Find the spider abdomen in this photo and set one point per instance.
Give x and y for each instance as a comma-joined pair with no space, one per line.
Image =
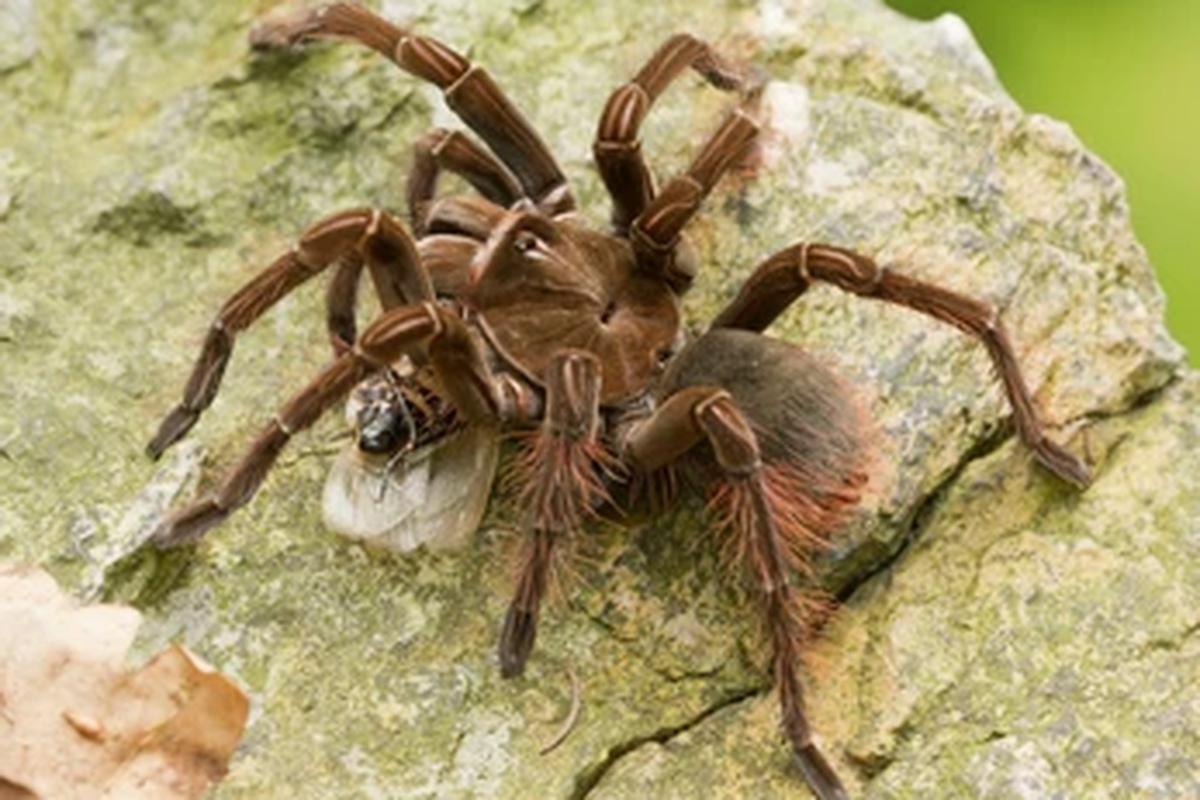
813,434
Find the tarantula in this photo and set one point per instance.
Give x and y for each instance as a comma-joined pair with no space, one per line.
504,311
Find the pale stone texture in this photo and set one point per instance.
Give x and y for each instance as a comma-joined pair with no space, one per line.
1026,641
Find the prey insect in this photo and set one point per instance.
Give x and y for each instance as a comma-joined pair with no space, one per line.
414,475
504,311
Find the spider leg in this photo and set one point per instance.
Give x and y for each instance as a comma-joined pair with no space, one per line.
448,258
465,215
469,90
563,483
425,330
773,530
617,147
782,278
452,151
341,298
455,230
655,231
349,239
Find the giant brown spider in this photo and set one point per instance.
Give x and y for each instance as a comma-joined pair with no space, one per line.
504,312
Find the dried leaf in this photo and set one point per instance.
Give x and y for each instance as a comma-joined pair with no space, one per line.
76,722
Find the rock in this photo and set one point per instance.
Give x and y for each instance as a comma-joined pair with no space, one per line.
18,35
1026,644
1001,633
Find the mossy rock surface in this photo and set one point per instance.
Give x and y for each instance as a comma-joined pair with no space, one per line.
1001,635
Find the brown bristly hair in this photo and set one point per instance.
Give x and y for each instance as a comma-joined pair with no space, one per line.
774,522
558,483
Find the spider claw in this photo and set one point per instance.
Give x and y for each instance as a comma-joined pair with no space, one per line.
171,430
284,30
516,641
1063,463
189,524
817,773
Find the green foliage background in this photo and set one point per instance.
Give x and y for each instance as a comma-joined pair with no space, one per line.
1126,76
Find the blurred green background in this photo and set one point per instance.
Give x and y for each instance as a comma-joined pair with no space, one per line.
1126,76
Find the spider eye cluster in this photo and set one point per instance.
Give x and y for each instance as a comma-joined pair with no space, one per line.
525,241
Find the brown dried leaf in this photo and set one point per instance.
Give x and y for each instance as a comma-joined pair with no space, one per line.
75,722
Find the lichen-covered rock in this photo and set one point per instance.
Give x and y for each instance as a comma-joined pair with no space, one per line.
1028,644
1027,640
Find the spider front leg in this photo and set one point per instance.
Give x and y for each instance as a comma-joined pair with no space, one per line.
782,278
562,474
469,90
656,232
425,331
451,151
618,148
348,239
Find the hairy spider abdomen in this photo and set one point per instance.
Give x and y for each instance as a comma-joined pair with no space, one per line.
811,429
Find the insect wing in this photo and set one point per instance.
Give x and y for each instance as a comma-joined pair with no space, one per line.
434,496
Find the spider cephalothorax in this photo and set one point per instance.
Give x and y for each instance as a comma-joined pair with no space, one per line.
504,312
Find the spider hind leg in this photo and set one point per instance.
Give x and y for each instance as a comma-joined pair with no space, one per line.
779,443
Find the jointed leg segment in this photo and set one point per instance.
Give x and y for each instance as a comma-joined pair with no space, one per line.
618,150
751,507
562,485
452,151
469,90
350,239
655,219
778,281
657,229
426,331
